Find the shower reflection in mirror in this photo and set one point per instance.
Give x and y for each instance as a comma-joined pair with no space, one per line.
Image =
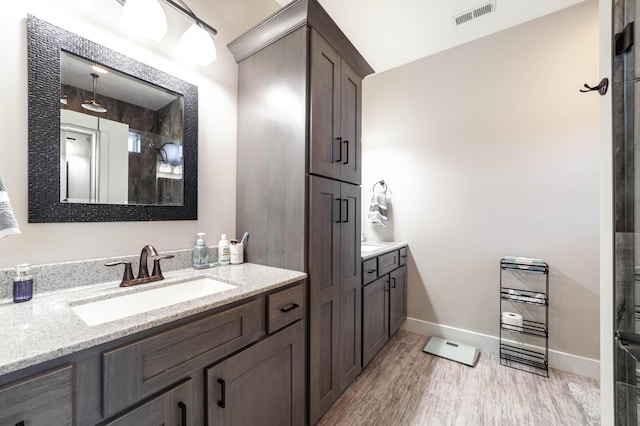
120,138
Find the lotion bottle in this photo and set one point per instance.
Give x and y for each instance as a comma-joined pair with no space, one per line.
201,253
224,250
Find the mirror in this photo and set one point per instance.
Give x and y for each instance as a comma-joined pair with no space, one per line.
114,146
120,137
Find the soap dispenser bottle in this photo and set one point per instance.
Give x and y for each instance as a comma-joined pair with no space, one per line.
224,250
22,283
201,253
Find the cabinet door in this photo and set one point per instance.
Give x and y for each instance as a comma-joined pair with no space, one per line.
375,318
324,295
351,285
174,407
397,299
262,385
44,399
325,149
351,124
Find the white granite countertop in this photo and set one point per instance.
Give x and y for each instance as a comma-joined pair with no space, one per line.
369,249
46,328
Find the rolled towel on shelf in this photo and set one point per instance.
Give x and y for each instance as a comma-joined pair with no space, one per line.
525,262
378,207
520,259
8,222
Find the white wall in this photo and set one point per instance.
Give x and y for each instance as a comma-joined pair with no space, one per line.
98,20
489,150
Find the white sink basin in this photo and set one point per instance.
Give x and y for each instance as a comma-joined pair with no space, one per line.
369,247
102,311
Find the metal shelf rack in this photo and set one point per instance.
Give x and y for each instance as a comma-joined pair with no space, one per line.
514,354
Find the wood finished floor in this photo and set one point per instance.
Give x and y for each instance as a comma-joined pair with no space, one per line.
405,386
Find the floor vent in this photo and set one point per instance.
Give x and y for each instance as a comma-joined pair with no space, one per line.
474,13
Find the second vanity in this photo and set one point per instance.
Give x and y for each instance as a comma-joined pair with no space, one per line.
224,358
384,294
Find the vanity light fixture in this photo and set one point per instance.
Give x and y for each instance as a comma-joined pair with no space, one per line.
147,18
144,17
197,44
92,105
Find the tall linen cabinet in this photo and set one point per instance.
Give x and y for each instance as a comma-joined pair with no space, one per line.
299,175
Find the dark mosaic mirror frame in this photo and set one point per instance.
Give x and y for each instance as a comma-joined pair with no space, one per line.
44,42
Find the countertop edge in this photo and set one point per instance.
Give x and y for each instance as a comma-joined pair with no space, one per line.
385,247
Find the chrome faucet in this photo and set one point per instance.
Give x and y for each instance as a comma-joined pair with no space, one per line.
143,269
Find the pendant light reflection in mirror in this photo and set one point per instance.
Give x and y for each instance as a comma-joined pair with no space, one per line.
147,18
93,105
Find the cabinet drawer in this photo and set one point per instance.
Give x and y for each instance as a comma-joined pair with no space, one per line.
284,307
43,399
369,270
136,370
388,262
403,256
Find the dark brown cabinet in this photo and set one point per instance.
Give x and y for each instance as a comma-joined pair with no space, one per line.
324,294
350,285
262,385
335,311
384,301
165,375
299,162
44,399
397,299
173,407
375,318
336,93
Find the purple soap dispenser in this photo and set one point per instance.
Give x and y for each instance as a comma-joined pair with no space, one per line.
22,283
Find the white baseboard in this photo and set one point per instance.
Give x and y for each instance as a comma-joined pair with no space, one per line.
559,360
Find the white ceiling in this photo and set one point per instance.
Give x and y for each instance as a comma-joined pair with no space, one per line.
390,33
76,72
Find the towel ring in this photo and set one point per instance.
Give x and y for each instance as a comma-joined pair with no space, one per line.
381,183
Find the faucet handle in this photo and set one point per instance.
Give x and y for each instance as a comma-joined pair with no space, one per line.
128,272
157,272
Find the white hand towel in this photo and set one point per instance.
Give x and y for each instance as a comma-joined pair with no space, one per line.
378,208
8,222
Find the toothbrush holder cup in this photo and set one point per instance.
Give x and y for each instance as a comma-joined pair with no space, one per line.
236,254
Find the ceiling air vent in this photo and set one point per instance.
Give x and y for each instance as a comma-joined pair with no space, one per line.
474,13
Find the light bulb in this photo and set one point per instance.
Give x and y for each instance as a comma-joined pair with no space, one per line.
197,45
145,17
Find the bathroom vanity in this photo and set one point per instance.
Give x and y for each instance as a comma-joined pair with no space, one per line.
219,359
384,295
